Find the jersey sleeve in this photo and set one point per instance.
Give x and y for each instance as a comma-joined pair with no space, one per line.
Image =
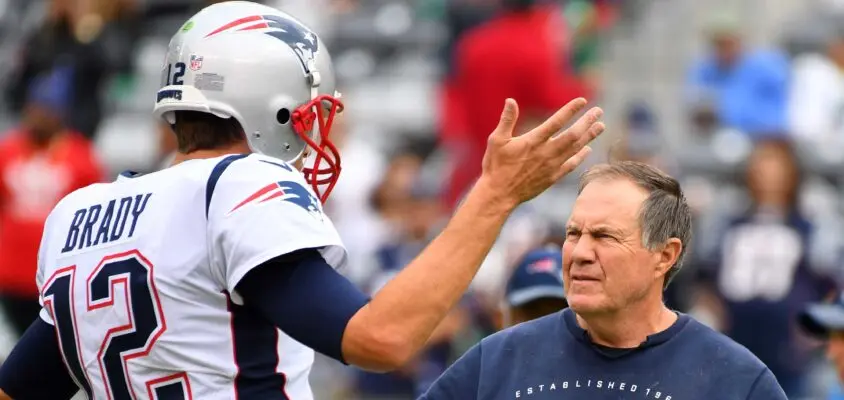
21,378
261,208
41,272
306,298
460,380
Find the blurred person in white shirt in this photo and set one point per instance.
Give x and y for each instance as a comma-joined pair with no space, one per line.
816,102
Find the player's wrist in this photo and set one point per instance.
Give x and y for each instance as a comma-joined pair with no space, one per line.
492,200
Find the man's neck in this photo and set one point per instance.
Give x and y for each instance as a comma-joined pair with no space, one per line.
629,327
203,154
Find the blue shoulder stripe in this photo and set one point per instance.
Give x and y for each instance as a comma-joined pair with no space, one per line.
216,173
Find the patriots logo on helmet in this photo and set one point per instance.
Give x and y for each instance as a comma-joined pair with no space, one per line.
299,38
288,191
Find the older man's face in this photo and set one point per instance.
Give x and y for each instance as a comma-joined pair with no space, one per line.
605,266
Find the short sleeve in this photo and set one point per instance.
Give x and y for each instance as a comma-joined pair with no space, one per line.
261,208
41,272
460,381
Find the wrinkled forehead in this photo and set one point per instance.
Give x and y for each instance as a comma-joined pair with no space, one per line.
609,201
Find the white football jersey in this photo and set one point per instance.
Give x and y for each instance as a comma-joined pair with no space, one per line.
138,277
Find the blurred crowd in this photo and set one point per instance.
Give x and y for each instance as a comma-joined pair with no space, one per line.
760,154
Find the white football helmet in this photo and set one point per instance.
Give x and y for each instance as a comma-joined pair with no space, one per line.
267,70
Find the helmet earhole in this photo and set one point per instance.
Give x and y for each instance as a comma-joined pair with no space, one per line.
283,116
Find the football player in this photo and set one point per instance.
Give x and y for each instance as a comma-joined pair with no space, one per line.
216,278
825,321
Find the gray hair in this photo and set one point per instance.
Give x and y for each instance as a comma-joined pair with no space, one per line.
664,214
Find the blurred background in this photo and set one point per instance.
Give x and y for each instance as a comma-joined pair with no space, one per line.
742,100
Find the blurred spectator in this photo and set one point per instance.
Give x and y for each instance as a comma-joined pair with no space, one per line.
763,275
418,213
826,322
393,194
88,40
518,54
351,207
461,16
640,139
816,106
40,162
414,205
735,87
535,288
588,19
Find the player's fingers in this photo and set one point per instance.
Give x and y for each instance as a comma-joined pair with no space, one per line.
579,132
507,123
557,121
591,133
572,163
573,144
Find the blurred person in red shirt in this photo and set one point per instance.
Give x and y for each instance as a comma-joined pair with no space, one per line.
41,161
520,53
91,40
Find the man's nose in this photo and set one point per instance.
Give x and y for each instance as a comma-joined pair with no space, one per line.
584,251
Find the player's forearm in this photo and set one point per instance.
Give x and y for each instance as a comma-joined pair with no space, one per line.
398,321
4,396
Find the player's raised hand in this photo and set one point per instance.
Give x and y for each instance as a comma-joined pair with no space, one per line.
519,168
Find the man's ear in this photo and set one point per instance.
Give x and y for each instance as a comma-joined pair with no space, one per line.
668,256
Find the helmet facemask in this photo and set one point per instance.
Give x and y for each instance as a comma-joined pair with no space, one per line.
322,110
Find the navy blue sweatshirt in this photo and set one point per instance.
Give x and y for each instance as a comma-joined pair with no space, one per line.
553,358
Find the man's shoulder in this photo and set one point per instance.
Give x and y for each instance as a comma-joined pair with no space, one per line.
182,180
720,349
256,179
81,195
731,368
251,169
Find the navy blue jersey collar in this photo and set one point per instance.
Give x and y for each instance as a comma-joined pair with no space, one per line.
130,174
582,335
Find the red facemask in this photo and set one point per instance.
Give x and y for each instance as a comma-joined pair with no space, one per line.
322,110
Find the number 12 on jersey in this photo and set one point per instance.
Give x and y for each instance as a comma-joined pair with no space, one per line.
132,272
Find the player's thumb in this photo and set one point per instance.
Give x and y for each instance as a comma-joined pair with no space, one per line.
508,120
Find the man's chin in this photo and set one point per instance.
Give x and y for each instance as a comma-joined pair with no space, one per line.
585,304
